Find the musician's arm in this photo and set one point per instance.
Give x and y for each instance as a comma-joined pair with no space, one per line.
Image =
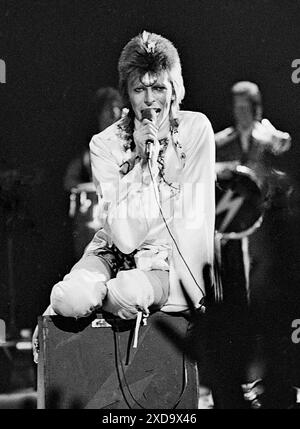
128,202
224,137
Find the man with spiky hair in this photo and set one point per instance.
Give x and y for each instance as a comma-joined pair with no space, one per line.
154,174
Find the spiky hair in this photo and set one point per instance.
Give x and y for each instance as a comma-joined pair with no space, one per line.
150,52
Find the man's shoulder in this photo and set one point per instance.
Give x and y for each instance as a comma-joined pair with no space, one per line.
109,134
193,124
188,116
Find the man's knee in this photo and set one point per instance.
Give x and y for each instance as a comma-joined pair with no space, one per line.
79,294
134,286
129,292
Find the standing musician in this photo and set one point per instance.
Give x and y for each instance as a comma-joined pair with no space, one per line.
255,143
154,171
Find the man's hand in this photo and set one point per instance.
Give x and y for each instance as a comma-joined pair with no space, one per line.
148,131
265,133
79,293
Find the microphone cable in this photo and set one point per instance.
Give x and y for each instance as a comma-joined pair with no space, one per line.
121,375
171,235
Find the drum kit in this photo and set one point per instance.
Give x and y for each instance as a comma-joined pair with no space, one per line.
240,206
239,201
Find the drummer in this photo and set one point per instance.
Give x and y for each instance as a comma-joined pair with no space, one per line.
107,105
253,142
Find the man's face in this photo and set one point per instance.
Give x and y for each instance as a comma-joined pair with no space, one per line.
242,110
151,91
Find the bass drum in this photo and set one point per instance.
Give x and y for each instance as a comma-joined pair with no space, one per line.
83,210
239,201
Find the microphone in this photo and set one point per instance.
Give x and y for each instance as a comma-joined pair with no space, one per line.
151,116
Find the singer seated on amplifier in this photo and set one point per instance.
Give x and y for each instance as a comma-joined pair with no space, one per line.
154,174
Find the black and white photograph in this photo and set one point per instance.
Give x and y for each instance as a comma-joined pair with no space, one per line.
149,207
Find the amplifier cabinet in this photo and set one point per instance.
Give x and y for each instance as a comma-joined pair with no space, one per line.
91,363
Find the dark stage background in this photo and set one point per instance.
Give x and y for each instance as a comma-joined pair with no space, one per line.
58,53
